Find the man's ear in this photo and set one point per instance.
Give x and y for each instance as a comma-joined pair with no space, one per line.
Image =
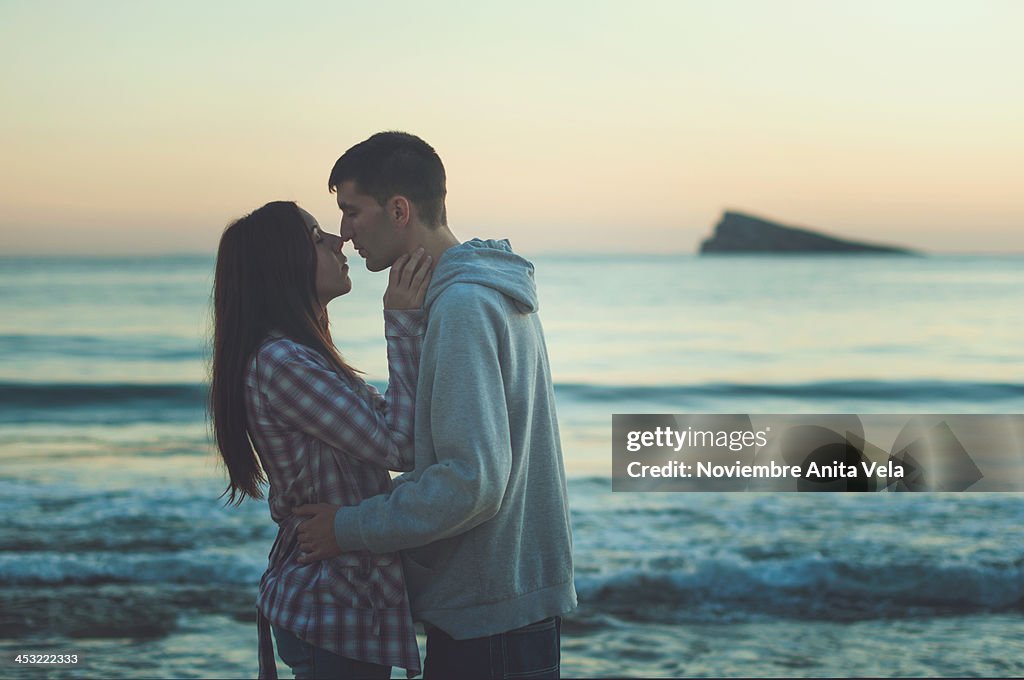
399,209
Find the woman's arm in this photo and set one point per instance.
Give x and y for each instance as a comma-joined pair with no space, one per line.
348,414
303,393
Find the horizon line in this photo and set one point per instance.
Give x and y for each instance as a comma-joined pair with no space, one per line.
542,253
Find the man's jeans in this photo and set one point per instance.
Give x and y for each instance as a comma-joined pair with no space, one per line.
529,652
307,661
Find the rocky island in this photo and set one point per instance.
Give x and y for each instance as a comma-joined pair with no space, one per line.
740,233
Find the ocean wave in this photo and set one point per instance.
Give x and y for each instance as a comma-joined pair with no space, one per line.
69,395
61,525
30,347
211,565
62,395
101,403
116,610
724,589
806,587
909,391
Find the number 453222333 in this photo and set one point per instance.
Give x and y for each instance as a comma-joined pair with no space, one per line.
47,658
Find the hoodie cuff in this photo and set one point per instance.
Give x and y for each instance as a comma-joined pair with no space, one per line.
404,323
346,529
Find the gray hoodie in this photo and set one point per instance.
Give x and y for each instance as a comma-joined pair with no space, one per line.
484,516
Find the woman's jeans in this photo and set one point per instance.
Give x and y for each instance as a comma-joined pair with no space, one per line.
309,662
530,652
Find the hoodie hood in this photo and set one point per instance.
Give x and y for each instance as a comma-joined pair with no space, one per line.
488,263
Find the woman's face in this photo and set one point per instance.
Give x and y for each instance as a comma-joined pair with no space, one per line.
331,265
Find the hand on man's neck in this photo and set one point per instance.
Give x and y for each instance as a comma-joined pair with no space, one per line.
434,241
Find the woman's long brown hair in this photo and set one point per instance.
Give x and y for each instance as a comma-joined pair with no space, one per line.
265,281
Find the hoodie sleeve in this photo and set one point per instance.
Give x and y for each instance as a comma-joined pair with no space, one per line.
472,441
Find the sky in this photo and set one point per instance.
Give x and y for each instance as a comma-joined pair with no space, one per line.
146,127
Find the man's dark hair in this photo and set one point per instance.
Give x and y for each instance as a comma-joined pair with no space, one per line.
396,164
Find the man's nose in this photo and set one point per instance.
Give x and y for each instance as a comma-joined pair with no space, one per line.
345,232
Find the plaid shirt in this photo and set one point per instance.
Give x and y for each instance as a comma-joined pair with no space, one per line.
324,438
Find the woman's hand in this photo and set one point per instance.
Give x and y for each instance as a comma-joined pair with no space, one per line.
408,281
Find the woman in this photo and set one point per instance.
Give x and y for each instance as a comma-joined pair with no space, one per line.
284,403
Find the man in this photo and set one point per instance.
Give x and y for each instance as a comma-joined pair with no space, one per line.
483,519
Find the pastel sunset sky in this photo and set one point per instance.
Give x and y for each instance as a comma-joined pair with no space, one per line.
145,127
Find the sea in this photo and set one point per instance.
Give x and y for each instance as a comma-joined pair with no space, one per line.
116,547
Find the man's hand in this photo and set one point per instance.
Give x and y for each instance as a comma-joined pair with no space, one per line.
316,534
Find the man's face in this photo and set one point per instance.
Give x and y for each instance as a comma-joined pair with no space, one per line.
367,225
